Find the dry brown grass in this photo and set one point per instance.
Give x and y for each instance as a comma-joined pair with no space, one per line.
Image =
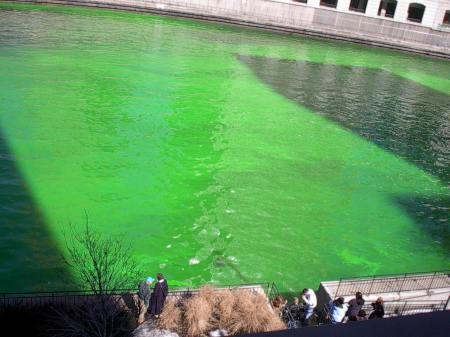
223,311
252,314
198,316
237,311
208,293
171,317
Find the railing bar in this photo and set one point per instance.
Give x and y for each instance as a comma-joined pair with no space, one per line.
395,275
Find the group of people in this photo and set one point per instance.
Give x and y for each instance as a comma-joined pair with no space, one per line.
298,311
337,311
153,300
340,312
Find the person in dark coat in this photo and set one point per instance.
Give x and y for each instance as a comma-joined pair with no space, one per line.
354,307
159,295
378,309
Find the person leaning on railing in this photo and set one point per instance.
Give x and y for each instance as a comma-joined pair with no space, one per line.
355,305
296,309
337,310
279,304
378,309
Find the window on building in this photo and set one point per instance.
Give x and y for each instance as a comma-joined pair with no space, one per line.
387,8
358,5
415,12
302,1
329,3
446,18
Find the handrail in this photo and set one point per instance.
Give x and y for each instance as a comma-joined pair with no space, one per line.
72,297
395,308
172,289
378,284
444,272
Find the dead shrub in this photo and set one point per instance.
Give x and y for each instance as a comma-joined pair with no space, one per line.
237,311
208,293
244,316
252,314
224,308
197,316
274,324
171,317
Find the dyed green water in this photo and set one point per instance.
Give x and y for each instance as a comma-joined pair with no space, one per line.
220,160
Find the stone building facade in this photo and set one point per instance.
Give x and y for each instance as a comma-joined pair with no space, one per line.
429,13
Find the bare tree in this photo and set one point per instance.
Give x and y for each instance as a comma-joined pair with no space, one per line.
97,316
102,263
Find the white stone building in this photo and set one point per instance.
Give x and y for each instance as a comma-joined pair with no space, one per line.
429,13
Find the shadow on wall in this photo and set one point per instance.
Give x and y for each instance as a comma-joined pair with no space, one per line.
30,260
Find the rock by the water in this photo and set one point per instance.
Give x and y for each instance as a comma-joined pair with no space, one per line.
148,329
218,333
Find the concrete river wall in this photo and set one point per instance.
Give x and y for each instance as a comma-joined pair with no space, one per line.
293,18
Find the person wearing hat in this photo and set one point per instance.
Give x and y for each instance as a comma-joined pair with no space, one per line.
144,298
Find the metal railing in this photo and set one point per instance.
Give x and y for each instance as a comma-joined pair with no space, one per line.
403,308
393,309
393,283
72,297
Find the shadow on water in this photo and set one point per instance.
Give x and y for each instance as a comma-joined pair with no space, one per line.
397,114
431,215
30,260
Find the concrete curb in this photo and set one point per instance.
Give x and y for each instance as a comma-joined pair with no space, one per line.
335,36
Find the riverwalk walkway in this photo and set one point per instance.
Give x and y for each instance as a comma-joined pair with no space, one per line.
403,294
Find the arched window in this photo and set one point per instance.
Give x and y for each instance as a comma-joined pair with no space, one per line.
387,8
446,18
329,3
358,5
415,12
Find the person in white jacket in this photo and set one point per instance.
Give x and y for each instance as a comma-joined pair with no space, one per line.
310,300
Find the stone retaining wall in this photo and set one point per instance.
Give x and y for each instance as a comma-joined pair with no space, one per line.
293,18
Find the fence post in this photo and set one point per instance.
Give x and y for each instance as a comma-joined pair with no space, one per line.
447,305
371,285
403,282
336,294
403,309
431,282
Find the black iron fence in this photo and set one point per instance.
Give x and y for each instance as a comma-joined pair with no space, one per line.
71,297
393,283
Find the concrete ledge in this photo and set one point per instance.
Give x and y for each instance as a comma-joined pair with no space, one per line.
246,21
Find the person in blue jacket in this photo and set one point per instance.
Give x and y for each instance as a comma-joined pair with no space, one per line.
144,296
337,310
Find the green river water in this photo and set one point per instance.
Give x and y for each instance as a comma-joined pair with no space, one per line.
222,154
